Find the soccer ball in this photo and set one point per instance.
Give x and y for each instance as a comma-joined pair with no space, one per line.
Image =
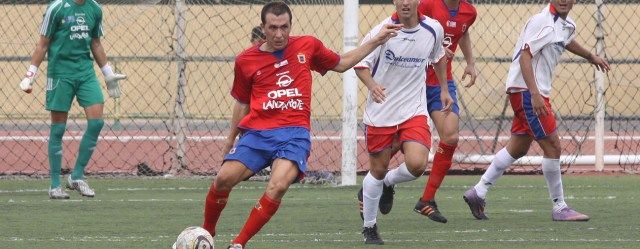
194,238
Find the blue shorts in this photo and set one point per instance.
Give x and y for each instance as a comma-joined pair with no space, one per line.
257,149
433,98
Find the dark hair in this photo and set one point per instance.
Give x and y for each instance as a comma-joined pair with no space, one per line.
256,33
277,8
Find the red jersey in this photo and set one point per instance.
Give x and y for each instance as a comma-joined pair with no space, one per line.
277,85
455,24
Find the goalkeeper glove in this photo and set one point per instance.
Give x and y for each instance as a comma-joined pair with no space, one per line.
113,87
25,84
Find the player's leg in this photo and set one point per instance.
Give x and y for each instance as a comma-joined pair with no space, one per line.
283,174
549,142
89,95
518,146
244,160
447,125
59,94
379,145
292,147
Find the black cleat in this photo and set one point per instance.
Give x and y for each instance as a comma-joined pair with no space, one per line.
386,200
476,204
360,204
429,209
371,235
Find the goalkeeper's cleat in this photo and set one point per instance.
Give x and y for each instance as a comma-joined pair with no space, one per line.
568,214
476,204
57,193
429,209
81,186
371,235
386,200
235,246
360,203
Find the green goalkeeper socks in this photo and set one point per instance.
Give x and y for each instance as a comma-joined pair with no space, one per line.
87,146
55,152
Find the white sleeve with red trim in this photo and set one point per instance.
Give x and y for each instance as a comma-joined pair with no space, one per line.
537,34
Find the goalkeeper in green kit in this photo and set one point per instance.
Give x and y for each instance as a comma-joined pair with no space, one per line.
70,33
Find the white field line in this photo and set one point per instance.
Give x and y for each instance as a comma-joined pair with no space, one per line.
127,138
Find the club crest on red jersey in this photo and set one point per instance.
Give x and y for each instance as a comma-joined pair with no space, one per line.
302,58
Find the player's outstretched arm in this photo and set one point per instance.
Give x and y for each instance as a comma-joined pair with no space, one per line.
351,58
239,111
600,63
36,59
440,68
467,51
375,89
110,77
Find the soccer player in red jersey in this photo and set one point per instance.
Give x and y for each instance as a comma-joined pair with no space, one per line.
272,88
456,17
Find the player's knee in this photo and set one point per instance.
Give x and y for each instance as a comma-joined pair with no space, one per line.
224,182
277,189
95,125
378,172
416,166
450,139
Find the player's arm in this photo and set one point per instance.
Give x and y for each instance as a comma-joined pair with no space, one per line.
36,59
349,59
239,111
375,89
600,63
467,51
529,79
110,77
440,69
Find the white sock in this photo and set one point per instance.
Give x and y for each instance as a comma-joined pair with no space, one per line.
553,176
501,161
371,192
398,175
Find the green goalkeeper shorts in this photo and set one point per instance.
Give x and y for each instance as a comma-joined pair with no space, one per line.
60,92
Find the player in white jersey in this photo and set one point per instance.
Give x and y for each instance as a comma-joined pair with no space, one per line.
396,107
545,36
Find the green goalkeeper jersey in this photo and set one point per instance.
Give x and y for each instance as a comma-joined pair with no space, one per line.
70,28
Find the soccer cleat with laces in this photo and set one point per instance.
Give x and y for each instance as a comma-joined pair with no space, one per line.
476,204
360,204
386,199
371,235
429,209
57,193
235,246
81,186
568,214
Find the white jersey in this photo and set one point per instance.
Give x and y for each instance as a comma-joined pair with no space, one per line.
399,66
545,35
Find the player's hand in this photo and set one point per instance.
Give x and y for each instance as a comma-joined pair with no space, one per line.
448,53
228,145
600,63
538,105
113,87
471,71
446,100
387,32
27,82
377,93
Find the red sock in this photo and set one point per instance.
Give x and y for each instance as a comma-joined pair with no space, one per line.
441,163
259,216
213,206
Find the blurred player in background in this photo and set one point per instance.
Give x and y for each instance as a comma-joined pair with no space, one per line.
272,88
257,36
69,34
543,40
396,110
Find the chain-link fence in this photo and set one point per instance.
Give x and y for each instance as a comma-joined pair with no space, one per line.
173,116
